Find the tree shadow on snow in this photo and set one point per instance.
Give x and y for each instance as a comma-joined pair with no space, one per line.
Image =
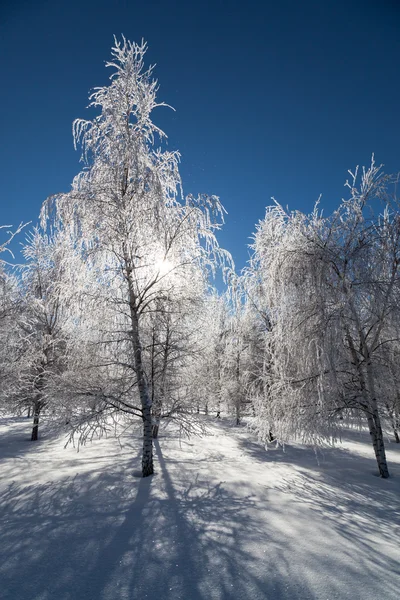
15,440
183,535
347,493
108,535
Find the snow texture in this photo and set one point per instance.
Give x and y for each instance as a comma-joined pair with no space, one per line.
221,519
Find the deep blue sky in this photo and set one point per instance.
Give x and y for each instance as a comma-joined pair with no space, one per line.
272,98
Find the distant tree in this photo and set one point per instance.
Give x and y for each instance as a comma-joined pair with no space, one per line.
207,371
10,307
40,326
236,365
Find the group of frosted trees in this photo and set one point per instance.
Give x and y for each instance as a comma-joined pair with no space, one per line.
112,318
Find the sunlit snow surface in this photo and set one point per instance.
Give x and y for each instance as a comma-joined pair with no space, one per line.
221,519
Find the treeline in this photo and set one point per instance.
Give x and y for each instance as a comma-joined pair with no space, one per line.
112,316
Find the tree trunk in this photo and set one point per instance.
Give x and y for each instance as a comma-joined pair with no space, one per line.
156,413
156,418
394,423
375,431
147,458
374,422
35,428
237,414
375,428
237,392
145,399
162,394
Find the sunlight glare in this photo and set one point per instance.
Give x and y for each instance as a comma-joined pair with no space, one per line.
164,266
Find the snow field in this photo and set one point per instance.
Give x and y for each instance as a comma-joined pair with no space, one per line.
222,519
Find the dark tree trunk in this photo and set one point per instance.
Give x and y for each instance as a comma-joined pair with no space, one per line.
395,427
162,394
35,428
156,418
155,412
374,424
237,415
147,458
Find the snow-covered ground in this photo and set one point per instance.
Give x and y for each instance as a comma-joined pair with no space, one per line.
221,519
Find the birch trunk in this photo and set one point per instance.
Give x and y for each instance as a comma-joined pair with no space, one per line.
158,403
35,428
238,390
145,399
368,390
375,431
237,413
38,404
156,419
375,428
394,422
147,458
396,425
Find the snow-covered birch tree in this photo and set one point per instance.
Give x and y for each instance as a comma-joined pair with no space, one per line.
10,309
332,286
144,246
41,328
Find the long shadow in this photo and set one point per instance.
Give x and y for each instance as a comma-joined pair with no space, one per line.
15,438
63,539
184,534
215,542
110,536
345,491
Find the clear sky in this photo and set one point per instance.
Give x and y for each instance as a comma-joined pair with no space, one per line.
272,98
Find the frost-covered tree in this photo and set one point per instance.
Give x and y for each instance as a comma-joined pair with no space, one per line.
237,365
332,287
41,325
227,376
145,248
10,308
207,371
